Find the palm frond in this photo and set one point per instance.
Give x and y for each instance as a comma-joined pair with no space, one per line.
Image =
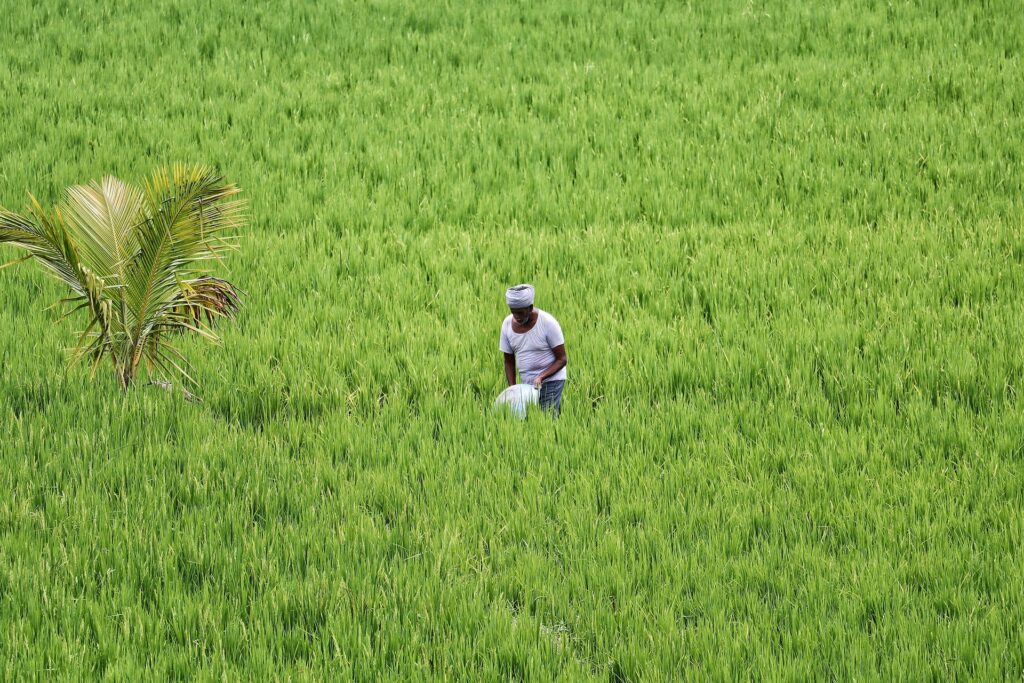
46,237
205,298
103,217
38,239
188,210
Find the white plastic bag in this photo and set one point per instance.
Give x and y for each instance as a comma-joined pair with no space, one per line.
516,398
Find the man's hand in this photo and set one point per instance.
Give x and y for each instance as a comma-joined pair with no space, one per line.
537,382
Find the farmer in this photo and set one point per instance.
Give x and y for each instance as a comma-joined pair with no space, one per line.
532,341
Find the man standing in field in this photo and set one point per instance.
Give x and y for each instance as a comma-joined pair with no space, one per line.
532,341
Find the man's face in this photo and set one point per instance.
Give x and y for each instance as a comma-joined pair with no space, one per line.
522,315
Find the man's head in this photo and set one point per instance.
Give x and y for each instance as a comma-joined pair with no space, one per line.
520,302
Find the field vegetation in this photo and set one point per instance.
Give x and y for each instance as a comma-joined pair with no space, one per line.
783,240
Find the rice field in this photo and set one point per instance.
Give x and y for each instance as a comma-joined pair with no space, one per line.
784,242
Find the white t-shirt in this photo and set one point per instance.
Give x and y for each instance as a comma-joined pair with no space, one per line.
534,348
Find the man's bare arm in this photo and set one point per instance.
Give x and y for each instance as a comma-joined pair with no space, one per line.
559,363
510,368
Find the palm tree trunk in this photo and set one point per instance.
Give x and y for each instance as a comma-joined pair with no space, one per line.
131,368
127,369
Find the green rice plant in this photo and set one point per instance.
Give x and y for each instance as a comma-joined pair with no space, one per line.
784,243
135,260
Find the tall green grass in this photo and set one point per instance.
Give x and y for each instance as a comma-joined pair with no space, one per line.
784,243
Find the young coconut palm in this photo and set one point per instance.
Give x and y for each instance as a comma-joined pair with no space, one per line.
136,260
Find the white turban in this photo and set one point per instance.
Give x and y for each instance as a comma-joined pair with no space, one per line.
520,296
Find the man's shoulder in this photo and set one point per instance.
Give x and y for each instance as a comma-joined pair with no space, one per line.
546,317
507,322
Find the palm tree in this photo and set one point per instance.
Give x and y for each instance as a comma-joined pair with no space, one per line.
136,260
